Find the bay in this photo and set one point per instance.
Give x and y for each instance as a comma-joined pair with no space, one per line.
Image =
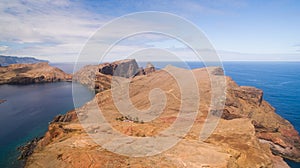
27,111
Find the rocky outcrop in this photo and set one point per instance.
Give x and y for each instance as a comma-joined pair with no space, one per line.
32,73
2,101
98,77
71,116
123,68
216,71
149,68
27,149
250,94
249,134
247,102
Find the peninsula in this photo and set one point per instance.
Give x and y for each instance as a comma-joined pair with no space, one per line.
249,133
32,73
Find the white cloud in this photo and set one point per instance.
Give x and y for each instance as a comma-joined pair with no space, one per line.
3,48
58,29
48,27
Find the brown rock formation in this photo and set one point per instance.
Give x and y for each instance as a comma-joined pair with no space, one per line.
149,68
2,101
98,77
250,133
31,73
247,102
123,68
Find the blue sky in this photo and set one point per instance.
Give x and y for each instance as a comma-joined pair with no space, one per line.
239,30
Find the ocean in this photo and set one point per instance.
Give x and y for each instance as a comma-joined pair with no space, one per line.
280,82
29,108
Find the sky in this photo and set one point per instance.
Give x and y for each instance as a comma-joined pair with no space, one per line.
239,30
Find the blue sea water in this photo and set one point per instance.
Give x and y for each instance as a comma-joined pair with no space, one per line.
280,82
29,108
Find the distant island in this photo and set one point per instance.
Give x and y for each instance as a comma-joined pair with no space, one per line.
8,60
2,101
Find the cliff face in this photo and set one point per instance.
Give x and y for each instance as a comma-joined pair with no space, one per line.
31,73
249,134
98,77
270,128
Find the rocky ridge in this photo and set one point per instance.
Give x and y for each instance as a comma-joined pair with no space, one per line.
98,77
8,60
32,73
249,134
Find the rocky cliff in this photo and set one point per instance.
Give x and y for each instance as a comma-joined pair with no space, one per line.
249,133
32,73
98,77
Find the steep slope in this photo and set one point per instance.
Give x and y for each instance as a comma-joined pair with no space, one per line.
247,134
31,73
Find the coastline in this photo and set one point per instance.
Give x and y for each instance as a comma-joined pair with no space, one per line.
27,149
28,75
32,73
28,111
52,117
66,123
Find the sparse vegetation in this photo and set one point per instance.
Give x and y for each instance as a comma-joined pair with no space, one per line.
128,118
